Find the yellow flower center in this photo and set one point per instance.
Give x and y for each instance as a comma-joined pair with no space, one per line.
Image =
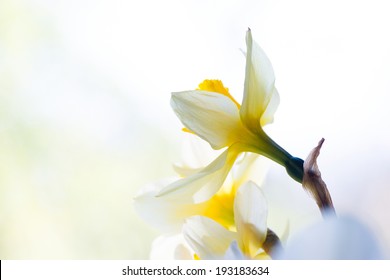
214,86
220,208
217,86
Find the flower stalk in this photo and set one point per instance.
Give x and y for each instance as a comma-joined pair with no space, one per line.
313,183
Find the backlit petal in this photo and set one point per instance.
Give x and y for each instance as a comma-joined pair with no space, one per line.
217,86
250,167
167,213
195,155
259,89
268,115
250,213
207,238
212,116
203,185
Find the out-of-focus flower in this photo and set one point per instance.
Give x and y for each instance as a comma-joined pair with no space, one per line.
212,113
343,238
210,240
168,211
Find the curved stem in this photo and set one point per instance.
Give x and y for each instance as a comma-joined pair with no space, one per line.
313,183
270,149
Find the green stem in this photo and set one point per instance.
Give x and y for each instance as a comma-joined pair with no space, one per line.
269,148
294,167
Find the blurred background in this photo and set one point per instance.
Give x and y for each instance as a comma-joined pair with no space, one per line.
85,120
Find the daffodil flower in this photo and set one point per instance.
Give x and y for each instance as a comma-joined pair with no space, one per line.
215,116
211,240
168,211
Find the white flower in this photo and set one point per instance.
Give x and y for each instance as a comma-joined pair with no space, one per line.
212,113
169,210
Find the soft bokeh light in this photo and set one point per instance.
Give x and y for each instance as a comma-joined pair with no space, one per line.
85,119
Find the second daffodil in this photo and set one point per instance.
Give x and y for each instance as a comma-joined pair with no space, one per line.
214,115
210,240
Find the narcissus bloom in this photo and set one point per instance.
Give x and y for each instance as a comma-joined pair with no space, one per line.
214,115
210,240
168,211
204,214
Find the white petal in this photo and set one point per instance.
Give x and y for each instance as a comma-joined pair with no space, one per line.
195,155
170,247
203,185
343,238
166,205
268,115
252,167
212,116
259,89
185,171
207,238
250,214
167,213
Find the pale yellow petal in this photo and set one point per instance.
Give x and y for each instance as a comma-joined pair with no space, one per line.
195,155
250,214
212,116
250,167
207,238
185,171
166,213
203,185
268,115
259,87
166,205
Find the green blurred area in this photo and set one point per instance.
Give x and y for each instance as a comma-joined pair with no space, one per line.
72,150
